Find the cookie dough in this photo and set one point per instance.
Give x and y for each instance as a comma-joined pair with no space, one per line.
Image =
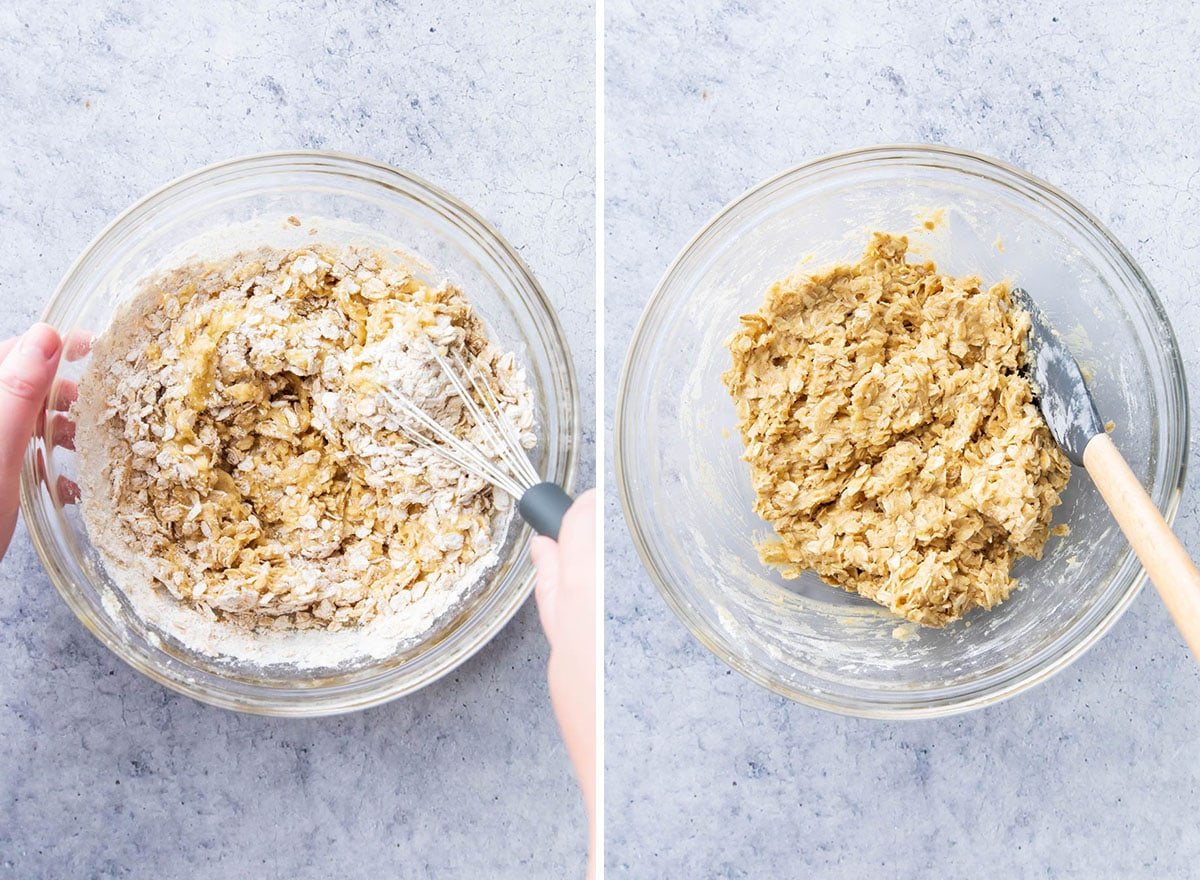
238,449
893,442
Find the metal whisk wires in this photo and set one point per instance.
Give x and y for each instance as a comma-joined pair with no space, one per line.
499,459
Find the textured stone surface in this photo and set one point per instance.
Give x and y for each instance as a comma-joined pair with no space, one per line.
1094,773
105,774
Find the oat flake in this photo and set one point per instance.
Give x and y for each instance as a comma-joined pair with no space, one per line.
237,451
893,440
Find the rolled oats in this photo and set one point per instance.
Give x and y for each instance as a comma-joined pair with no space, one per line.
893,441
236,443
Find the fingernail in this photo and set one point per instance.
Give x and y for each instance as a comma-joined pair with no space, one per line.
42,340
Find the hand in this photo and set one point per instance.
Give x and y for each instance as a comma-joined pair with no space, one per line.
566,600
27,367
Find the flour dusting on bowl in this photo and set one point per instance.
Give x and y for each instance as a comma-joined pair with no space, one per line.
245,476
677,445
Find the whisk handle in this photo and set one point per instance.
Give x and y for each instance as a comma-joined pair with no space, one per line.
543,507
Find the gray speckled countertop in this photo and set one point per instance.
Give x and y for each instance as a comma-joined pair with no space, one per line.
105,774
1092,774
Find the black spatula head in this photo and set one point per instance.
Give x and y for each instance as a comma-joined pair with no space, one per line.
1062,394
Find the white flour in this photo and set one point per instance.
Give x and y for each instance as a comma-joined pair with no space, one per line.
244,477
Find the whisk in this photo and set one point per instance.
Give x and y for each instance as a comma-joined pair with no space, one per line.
541,504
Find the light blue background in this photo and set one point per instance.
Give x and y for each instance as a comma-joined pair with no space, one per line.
1097,772
104,774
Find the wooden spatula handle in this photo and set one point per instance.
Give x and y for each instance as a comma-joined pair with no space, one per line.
1170,568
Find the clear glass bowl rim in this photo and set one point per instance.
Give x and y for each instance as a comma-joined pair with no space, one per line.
910,155
362,694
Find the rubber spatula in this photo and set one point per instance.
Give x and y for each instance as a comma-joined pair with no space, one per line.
1075,424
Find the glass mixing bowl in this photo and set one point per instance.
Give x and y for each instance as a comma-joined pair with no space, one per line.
687,495
245,203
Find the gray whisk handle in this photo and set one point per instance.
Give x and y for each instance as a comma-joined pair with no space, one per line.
543,506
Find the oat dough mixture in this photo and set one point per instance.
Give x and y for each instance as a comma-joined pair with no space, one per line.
237,450
893,442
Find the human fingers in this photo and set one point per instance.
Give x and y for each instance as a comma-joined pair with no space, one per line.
62,431
66,490
25,376
26,372
63,394
77,344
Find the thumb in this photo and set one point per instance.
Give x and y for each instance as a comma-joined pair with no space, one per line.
25,376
